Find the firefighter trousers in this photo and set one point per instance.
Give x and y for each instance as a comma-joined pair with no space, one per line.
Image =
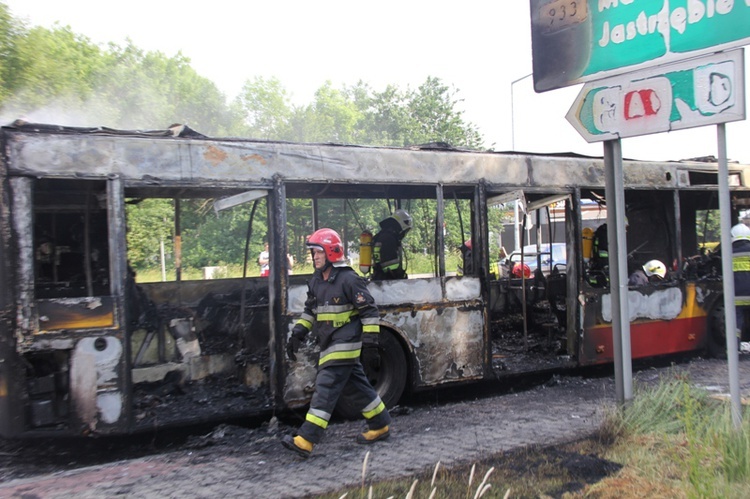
350,382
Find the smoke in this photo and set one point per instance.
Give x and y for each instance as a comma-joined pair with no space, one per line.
126,106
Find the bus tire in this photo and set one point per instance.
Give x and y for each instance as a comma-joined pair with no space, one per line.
388,379
717,340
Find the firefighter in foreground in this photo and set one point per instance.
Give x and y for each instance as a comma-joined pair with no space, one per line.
344,314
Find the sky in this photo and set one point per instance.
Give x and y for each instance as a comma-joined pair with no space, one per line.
480,48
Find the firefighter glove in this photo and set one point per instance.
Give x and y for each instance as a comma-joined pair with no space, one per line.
295,341
292,346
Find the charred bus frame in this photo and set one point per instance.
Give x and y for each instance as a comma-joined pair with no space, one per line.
86,349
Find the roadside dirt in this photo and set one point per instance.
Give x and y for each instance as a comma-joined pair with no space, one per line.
454,427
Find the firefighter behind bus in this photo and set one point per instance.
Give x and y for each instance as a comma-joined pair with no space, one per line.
387,252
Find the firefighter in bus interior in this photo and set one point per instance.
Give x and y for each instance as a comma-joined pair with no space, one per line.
652,271
387,252
344,316
599,263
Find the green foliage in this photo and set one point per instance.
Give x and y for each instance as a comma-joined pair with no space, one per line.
150,223
266,107
10,31
659,409
56,75
65,73
334,117
357,114
714,455
734,445
708,227
695,424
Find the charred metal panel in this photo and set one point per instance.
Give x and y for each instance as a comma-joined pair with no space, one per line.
75,313
94,381
43,343
445,334
11,386
659,302
278,282
407,291
448,343
463,288
190,293
296,296
440,222
180,159
23,230
574,259
655,304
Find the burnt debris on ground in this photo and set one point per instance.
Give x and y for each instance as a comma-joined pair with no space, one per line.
539,345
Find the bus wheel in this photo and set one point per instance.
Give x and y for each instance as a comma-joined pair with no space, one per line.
388,379
717,340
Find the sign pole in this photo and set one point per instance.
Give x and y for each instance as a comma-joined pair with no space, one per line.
618,279
725,209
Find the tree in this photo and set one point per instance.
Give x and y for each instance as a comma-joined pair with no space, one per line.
153,91
434,117
266,107
10,30
386,118
358,115
61,77
56,70
150,222
48,65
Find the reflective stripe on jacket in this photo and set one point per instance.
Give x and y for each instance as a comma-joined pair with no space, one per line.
339,310
741,269
387,254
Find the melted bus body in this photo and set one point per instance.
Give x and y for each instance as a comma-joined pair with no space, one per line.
86,347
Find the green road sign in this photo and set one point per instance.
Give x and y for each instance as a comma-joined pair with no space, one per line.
701,91
575,41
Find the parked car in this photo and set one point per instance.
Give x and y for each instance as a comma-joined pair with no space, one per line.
557,259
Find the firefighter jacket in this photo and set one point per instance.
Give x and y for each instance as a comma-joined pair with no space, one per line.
741,268
600,256
387,256
339,310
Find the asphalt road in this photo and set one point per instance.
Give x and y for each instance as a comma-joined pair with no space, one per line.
238,462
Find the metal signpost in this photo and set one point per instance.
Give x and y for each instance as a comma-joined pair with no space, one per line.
578,41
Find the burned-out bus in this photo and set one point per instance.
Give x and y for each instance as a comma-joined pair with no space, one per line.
87,347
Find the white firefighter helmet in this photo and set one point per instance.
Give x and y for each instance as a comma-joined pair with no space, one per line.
403,219
740,231
655,267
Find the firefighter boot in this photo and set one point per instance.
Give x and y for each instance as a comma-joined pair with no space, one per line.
298,444
372,436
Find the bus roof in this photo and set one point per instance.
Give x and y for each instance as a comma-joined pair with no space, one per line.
180,154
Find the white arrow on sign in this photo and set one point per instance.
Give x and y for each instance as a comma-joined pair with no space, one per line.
697,92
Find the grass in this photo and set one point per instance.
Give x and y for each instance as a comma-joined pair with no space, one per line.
671,441
416,264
